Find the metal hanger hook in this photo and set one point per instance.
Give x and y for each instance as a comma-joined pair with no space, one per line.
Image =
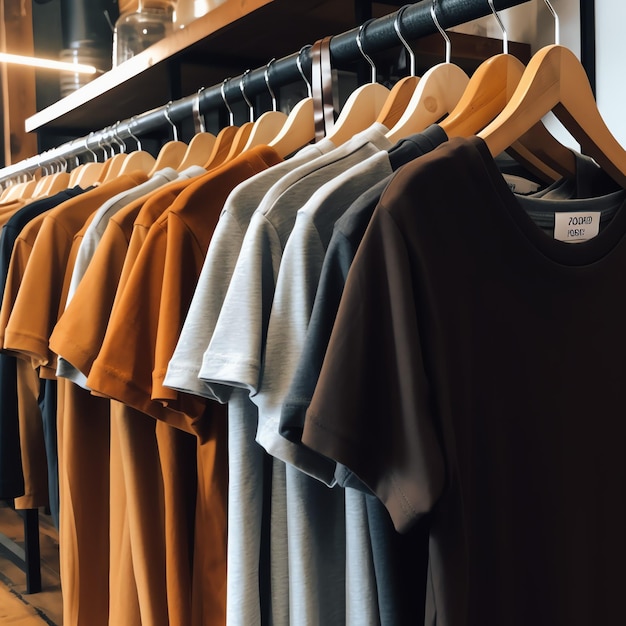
102,143
231,116
243,93
198,118
396,26
433,14
117,137
269,87
557,24
130,132
299,64
505,37
95,156
359,43
166,112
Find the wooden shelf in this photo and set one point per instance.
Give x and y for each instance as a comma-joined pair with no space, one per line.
237,35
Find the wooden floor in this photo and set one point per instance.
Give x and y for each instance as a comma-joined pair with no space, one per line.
18,608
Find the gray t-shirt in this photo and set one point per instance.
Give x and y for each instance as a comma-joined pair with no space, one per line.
234,359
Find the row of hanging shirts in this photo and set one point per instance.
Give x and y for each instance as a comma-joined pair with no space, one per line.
296,551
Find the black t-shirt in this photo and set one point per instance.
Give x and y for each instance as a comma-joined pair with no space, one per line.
474,376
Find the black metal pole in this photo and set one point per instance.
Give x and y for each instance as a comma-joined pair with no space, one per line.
416,22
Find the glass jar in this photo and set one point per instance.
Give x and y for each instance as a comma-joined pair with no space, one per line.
189,10
137,30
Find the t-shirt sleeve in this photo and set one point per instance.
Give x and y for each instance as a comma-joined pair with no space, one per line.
36,306
233,358
372,407
80,331
184,366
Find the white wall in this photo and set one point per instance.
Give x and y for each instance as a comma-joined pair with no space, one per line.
610,75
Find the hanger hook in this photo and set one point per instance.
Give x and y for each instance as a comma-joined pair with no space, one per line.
166,112
359,43
118,138
557,24
95,156
269,87
197,114
230,111
243,93
299,64
130,132
102,143
396,25
505,37
433,14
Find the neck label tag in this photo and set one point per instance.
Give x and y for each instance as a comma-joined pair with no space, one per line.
576,227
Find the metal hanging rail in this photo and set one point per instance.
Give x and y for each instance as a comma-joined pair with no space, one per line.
415,22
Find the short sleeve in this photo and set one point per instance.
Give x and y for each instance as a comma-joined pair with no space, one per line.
372,407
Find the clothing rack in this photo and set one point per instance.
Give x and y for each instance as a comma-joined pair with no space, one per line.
380,34
415,22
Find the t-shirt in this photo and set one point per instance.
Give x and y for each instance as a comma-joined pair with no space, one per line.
79,334
248,537
471,416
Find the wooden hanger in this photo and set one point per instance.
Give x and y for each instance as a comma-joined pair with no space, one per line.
490,88
201,144
225,137
198,150
172,152
138,159
20,191
297,131
50,184
115,167
299,128
239,141
437,93
89,173
401,93
363,105
270,123
222,146
50,181
555,80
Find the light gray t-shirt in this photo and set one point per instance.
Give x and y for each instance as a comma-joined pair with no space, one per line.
248,509
234,359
